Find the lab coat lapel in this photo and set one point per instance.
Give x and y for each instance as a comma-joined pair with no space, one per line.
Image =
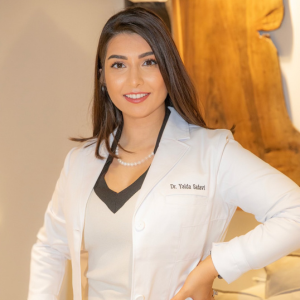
92,168
169,152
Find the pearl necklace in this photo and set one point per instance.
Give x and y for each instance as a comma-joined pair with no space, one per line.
133,163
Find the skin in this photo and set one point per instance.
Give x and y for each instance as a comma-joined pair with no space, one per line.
142,123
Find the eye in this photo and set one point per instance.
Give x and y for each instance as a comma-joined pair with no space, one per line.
116,63
151,60
152,63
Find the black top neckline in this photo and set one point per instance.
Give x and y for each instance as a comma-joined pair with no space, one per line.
115,200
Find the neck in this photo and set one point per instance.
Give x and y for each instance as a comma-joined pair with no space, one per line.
141,133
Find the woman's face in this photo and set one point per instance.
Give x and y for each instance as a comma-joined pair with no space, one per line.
131,69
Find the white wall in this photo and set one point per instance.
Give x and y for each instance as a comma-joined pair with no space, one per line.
46,81
287,41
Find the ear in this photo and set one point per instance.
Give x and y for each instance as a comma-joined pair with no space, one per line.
99,73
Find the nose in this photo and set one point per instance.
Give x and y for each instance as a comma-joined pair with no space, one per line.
135,76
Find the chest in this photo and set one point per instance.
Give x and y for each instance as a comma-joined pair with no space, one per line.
119,177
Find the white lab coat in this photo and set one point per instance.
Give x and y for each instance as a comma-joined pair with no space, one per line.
197,179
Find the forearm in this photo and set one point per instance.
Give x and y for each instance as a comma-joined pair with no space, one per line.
208,268
261,246
199,282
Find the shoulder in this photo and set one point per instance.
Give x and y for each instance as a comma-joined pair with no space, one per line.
208,144
79,153
216,138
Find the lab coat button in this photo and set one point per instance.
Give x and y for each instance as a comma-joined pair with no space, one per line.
139,297
140,225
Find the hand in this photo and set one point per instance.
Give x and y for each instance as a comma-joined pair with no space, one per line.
198,284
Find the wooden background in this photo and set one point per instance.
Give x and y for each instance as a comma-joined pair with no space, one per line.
236,71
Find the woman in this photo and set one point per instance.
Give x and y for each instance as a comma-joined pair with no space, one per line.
149,196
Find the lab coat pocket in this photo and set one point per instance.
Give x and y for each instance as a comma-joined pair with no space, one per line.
187,209
185,199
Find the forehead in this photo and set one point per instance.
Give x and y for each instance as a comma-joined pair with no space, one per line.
129,44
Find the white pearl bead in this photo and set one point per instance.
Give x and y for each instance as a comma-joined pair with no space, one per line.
132,163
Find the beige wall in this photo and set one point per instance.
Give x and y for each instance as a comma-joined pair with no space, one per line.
46,76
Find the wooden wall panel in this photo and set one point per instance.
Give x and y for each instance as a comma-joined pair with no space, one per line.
237,73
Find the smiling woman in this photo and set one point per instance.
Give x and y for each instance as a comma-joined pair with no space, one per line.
150,194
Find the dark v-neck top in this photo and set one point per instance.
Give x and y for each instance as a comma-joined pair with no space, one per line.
112,199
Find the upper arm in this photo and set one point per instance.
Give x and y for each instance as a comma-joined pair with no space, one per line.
247,181
53,232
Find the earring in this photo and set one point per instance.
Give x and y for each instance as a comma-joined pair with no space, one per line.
103,88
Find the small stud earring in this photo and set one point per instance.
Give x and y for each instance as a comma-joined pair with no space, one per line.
103,88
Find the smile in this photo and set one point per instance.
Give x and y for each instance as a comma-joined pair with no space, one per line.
136,98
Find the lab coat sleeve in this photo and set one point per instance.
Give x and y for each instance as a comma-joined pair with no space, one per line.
246,181
50,252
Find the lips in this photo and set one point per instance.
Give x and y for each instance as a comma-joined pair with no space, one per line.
138,100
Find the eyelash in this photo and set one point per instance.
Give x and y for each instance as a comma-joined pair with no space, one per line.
118,62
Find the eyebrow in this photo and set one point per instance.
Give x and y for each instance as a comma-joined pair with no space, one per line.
124,57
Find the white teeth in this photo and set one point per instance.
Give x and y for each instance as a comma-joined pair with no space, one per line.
137,96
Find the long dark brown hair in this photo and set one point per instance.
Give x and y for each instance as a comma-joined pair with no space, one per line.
182,95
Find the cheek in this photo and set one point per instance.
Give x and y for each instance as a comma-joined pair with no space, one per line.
115,87
157,84
115,83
